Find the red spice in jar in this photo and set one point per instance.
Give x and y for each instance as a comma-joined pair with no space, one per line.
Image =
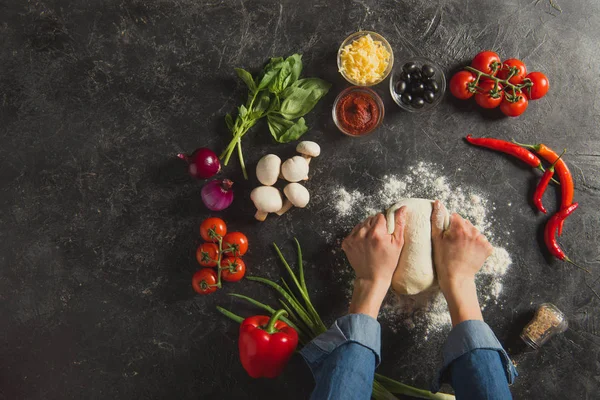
357,113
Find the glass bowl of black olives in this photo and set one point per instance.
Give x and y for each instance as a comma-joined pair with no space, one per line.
417,84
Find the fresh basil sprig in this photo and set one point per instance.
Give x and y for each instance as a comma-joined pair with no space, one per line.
279,94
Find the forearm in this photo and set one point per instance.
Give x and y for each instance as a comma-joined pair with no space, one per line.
461,296
367,297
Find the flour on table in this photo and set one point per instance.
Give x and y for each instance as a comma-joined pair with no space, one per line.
427,312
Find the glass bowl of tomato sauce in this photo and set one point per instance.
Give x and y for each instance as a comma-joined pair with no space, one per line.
358,111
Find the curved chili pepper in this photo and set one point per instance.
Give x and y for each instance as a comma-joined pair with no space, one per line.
567,187
509,148
541,187
550,234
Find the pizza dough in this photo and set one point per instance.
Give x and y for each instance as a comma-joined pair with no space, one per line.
415,271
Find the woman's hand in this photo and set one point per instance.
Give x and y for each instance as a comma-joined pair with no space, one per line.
373,254
458,254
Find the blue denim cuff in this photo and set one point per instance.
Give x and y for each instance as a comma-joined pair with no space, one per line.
468,336
356,328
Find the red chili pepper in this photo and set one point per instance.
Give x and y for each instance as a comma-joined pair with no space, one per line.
567,187
550,234
266,345
541,187
508,148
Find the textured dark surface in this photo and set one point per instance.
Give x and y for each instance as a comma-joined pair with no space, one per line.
98,220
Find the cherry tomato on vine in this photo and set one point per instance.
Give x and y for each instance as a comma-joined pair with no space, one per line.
516,108
204,281
234,269
235,244
540,85
207,254
211,227
508,66
460,83
486,96
487,62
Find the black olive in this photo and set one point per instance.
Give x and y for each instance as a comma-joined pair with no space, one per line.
429,96
401,87
416,75
418,102
405,76
406,98
427,70
417,88
410,67
433,86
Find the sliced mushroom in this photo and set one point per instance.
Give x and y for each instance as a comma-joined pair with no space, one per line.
295,169
296,195
308,149
267,169
267,199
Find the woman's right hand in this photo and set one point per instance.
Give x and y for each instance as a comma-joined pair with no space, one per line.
458,254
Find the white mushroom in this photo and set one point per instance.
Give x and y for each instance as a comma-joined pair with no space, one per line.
297,196
266,199
308,149
267,169
295,169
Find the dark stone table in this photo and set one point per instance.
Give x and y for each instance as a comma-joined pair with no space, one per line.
99,221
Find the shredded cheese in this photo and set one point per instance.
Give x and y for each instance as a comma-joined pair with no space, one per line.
364,60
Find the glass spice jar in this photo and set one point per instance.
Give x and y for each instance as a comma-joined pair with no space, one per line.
547,322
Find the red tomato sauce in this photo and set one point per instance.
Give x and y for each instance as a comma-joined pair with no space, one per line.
357,113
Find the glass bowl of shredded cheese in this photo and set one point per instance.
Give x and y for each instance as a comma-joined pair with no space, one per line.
365,58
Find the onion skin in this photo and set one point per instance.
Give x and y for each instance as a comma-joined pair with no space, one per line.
217,195
203,163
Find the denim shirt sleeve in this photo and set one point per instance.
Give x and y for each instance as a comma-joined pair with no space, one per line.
352,328
465,338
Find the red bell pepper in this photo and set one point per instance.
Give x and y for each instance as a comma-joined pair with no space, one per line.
266,345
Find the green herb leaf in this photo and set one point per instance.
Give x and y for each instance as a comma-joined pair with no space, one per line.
296,62
270,72
242,110
285,131
229,122
247,78
261,105
302,96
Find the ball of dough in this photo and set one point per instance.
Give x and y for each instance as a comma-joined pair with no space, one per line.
415,272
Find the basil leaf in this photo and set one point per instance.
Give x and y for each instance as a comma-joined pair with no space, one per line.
261,105
295,61
247,78
285,131
270,72
302,97
242,110
276,85
229,122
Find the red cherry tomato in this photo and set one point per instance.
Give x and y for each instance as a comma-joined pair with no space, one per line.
486,96
460,84
235,269
513,64
207,254
212,228
235,244
487,62
516,108
540,85
204,281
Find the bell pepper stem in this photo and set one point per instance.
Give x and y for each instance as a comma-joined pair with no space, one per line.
271,325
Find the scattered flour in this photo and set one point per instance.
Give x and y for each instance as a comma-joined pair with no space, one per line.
428,312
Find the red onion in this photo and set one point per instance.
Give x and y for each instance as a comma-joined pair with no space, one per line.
217,195
202,163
